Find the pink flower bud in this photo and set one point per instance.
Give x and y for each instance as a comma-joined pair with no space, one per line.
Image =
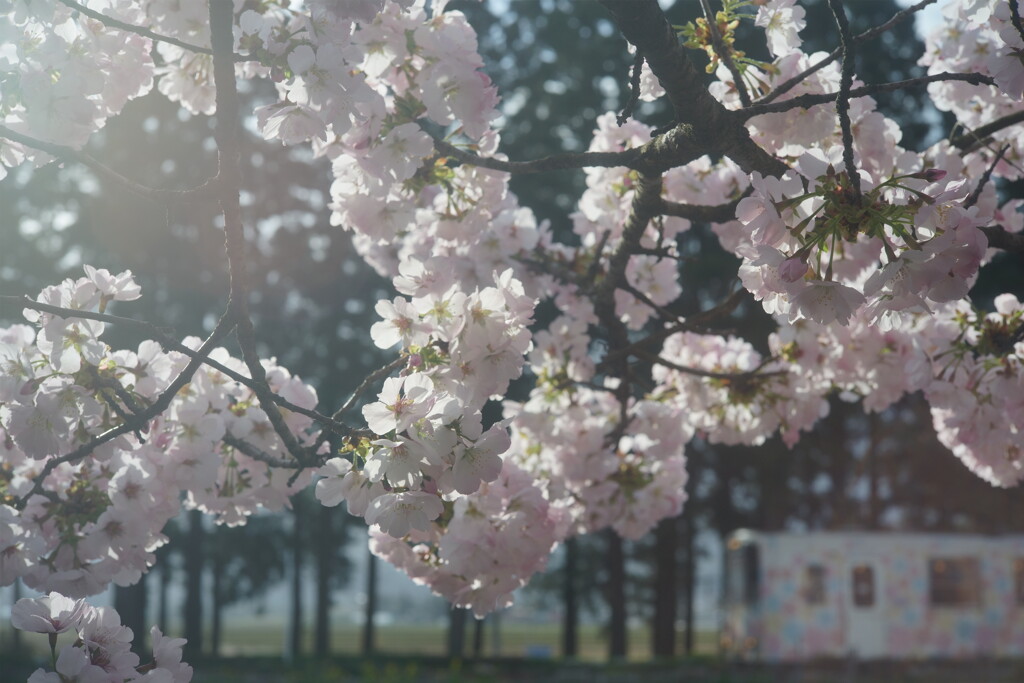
930,174
792,269
415,360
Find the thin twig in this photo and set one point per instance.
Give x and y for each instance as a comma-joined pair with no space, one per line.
811,99
788,85
142,30
555,162
69,154
666,315
367,382
698,372
723,52
976,193
382,371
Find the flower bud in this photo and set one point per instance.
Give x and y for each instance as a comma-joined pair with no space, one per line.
792,269
930,174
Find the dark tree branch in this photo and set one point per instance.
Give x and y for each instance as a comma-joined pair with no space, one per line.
1015,18
843,99
68,154
257,453
634,89
142,30
1001,238
810,100
700,213
676,147
715,131
979,136
695,323
788,85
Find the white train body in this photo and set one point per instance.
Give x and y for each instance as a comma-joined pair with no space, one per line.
794,596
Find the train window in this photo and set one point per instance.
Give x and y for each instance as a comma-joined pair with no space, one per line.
862,584
1018,579
954,581
814,584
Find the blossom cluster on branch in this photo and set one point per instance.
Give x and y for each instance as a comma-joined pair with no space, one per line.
863,251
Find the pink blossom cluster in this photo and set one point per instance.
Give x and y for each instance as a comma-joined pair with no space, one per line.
101,651
979,36
98,519
493,541
66,74
566,437
733,395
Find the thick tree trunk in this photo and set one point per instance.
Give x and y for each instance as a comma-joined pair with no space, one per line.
457,632
16,639
194,586
162,590
689,574
618,644
369,628
216,606
295,623
571,617
130,603
324,554
478,638
663,640
874,507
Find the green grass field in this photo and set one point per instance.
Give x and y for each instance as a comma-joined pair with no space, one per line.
266,637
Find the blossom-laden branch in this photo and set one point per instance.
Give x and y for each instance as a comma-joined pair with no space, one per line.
139,420
169,343
65,153
675,147
555,162
226,135
708,374
789,84
813,99
715,131
142,30
723,52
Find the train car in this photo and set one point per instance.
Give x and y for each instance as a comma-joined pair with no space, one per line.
872,595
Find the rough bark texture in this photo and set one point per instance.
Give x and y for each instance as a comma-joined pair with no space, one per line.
615,590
